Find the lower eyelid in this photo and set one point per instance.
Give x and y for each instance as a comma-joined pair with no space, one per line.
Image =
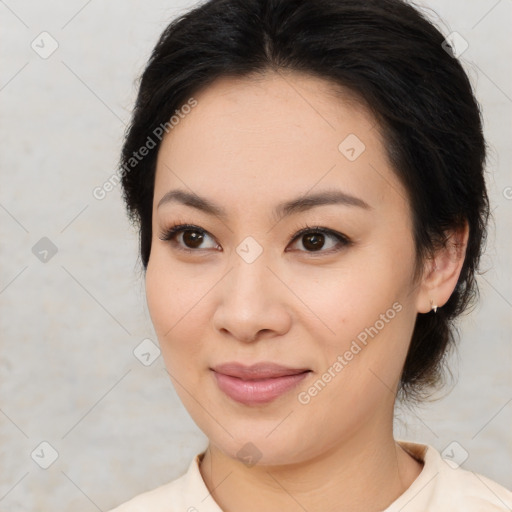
340,242
340,239
180,246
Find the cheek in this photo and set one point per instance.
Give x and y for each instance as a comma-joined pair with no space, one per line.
175,307
340,302
161,295
358,312
169,293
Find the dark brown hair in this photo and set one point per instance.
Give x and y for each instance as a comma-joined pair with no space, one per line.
390,56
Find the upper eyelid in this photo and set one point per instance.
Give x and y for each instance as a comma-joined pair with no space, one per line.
191,227
181,227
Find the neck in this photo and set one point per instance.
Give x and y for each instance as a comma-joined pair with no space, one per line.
366,472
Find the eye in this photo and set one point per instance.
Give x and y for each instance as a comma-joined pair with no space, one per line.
188,238
191,236
313,240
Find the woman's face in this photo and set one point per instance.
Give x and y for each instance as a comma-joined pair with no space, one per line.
249,290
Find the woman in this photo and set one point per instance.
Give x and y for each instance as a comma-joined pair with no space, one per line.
308,182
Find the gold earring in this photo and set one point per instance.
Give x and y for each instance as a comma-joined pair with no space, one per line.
433,306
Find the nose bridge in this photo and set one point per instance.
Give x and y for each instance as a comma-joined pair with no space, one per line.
250,300
250,275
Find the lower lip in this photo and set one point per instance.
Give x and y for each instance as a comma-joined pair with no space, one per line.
255,392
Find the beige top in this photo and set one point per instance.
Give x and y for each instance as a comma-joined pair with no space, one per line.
440,487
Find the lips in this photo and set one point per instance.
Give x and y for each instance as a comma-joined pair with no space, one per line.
258,384
259,371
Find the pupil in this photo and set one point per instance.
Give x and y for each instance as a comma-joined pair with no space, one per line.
192,238
316,239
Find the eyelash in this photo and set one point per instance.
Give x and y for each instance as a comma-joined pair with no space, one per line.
169,235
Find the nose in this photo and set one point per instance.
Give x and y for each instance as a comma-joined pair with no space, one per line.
252,303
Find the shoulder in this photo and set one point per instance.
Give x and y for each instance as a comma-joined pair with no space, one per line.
444,486
472,492
172,496
155,500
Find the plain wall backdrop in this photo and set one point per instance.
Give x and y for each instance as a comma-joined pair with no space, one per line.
72,301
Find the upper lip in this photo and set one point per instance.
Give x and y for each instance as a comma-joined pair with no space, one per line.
264,370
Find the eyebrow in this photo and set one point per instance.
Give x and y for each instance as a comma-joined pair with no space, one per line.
285,209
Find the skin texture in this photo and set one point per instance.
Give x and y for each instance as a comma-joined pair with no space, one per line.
247,146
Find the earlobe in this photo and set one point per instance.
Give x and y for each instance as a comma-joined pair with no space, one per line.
443,271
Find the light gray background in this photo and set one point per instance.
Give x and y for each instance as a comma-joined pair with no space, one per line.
69,326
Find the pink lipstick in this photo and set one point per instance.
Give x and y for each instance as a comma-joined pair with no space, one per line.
259,383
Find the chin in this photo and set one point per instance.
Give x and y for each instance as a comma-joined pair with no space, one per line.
261,449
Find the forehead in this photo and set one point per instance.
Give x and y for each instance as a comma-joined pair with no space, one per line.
262,139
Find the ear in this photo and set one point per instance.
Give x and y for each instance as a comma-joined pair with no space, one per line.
441,273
